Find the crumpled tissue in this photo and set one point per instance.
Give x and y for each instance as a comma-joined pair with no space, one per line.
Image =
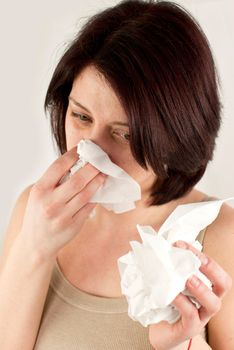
155,272
119,191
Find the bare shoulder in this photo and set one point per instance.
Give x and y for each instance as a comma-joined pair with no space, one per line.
220,233
15,222
219,244
219,239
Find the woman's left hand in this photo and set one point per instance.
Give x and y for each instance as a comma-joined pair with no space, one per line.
165,336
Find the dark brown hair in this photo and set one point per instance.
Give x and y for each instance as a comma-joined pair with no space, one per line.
158,61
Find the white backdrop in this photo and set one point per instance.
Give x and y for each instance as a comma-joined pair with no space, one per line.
33,35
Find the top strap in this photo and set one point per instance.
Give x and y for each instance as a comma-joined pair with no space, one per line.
201,234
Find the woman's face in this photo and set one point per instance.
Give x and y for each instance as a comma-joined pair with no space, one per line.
95,113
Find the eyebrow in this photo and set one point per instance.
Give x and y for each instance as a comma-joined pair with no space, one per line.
86,109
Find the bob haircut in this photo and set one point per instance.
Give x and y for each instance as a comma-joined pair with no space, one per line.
158,61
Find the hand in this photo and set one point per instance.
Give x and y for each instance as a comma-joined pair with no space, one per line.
56,211
165,336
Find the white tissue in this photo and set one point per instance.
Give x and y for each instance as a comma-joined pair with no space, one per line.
119,191
155,272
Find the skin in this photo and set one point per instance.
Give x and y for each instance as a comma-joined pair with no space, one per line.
97,248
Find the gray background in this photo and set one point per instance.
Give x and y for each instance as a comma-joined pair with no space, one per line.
33,35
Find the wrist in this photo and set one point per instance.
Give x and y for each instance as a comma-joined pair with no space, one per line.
186,345
34,254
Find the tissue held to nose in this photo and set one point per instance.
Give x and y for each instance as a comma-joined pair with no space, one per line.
120,191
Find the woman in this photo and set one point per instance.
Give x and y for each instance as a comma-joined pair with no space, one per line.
139,80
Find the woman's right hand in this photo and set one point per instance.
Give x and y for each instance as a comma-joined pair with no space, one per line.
56,211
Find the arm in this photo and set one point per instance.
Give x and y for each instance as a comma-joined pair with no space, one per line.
52,217
219,244
217,266
24,282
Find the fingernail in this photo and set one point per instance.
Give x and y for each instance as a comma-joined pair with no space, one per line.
194,281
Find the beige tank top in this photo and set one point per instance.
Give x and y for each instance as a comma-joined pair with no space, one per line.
75,320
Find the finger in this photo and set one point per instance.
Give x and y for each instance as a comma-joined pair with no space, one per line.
210,303
190,319
83,197
67,190
84,213
185,245
58,169
79,219
175,333
215,273
219,278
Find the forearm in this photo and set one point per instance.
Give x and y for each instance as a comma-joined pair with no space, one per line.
24,282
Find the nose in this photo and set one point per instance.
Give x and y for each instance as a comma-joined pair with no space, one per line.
101,143
100,138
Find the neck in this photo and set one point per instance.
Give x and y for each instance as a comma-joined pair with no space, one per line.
110,229
105,221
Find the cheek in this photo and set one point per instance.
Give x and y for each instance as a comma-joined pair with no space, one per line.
122,158
126,161
132,168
